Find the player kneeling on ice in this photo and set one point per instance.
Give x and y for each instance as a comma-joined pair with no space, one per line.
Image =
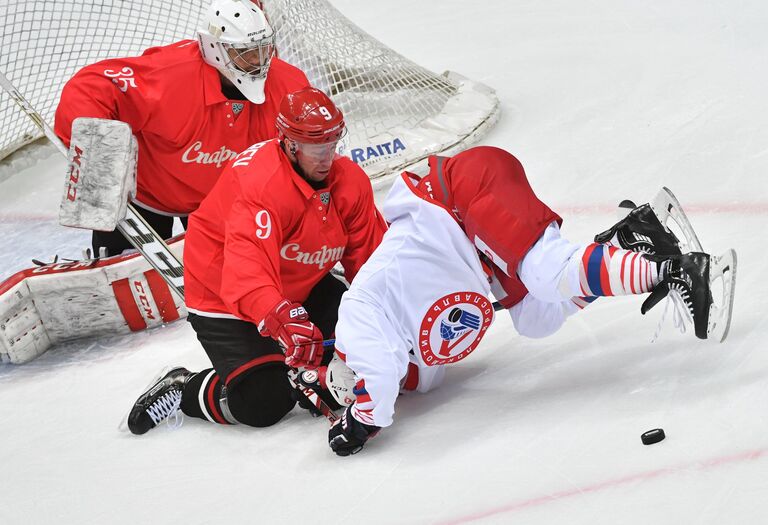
258,256
471,228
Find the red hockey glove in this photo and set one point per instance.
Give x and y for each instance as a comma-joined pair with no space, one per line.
301,340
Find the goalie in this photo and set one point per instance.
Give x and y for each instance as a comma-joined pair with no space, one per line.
188,108
192,106
473,227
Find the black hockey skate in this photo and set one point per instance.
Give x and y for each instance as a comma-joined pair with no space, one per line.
687,279
687,276
645,229
159,402
641,231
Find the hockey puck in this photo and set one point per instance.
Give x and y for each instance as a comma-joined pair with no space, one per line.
653,436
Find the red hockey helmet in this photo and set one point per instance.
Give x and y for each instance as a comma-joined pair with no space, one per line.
308,116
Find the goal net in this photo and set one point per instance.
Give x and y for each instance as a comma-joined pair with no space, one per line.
397,112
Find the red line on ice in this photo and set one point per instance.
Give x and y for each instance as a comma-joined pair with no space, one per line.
738,208
597,487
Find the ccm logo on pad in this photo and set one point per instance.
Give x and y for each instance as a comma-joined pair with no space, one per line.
143,299
74,174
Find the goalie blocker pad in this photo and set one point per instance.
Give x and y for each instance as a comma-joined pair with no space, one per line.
40,307
101,174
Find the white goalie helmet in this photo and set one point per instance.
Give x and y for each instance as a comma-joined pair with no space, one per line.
240,43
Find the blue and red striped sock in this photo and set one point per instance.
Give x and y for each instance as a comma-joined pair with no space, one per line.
605,270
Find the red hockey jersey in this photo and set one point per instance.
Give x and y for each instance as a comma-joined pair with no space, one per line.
187,130
264,234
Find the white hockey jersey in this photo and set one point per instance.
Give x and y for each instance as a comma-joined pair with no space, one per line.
422,298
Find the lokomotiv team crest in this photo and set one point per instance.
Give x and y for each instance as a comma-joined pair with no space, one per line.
453,327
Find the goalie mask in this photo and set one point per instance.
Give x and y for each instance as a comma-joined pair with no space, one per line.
240,43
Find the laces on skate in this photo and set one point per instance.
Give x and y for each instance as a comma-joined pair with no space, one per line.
167,408
682,311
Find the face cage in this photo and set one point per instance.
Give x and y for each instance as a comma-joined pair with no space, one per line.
263,51
322,151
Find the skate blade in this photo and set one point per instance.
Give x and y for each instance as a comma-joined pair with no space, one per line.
720,313
123,426
666,206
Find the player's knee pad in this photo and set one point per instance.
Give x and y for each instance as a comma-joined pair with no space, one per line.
262,397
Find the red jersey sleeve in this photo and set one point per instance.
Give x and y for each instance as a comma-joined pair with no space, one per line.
111,89
364,223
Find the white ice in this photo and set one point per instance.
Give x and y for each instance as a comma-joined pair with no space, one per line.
602,100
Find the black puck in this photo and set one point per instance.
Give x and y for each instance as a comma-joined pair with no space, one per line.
653,436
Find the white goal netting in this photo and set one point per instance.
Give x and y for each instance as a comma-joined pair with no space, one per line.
397,112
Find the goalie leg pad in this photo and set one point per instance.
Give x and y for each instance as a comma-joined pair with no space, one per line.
22,334
43,306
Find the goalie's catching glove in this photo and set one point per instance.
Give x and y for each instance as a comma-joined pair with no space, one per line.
348,435
290,326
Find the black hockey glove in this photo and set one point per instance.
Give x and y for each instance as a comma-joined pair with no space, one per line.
347,435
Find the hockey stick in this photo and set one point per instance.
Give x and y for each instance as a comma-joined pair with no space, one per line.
134,227
309,393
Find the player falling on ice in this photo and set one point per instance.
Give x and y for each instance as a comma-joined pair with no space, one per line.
473,227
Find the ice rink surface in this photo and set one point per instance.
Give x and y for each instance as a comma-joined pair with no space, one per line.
602,100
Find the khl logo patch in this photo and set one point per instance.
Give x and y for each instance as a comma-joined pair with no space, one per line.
453,327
